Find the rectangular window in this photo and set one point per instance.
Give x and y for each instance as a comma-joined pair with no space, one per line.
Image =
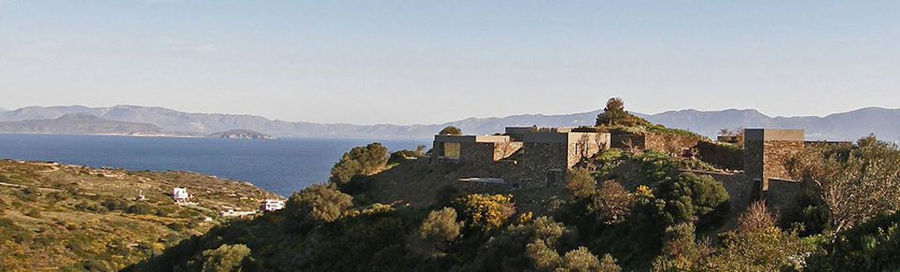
451,150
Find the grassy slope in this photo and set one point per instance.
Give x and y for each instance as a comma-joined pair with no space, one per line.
53,216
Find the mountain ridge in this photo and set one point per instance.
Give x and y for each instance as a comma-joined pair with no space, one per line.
836,126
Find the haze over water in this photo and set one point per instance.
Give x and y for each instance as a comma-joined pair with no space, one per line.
281,166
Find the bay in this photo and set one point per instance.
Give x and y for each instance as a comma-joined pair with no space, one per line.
281,166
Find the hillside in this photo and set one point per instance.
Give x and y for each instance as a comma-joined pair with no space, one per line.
62,217
79,123
838,126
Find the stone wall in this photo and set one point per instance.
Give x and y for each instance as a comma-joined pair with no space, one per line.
753,159
659,142
740,190
783,194
504,150
724,156
775,155
669,143
627,140
536,160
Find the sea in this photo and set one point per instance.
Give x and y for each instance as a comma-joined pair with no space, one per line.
280,166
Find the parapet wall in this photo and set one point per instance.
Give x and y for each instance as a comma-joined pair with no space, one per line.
783,194
724,156
659,142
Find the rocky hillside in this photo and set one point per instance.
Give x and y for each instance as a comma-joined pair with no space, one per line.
73,218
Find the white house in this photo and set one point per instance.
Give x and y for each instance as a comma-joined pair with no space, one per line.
180,194
270,205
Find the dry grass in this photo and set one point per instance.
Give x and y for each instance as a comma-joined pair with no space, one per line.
52,217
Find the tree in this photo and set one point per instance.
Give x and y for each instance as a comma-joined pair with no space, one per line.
360,161
580,183
691,197
855,185
225,258
440,226
871,246
615,115
320,203
545,258
757,245
612,203
680,252
450,130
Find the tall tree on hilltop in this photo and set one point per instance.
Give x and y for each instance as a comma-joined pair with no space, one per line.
615,115
450,130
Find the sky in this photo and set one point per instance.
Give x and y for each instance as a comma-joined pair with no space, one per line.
415,62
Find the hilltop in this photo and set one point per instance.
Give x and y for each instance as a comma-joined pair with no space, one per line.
66,217
561,199
843,126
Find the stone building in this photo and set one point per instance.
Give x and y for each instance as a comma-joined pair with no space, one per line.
475,149
536,155
765,154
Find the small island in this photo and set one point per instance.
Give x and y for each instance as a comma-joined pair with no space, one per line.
242,134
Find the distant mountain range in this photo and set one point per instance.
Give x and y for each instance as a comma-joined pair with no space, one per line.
80,123
884,123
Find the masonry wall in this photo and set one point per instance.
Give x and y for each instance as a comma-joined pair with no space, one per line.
782,195
504,150
669,143
775,155
627,140
659,142
723,156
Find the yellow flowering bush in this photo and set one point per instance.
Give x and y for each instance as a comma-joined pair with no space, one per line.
487,211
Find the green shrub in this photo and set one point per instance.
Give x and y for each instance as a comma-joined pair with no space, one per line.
871,246
318,203
226,258
141,208
114,204
177,226
360,161
486,212
440,226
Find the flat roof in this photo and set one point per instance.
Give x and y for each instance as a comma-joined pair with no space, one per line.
471,138
766,134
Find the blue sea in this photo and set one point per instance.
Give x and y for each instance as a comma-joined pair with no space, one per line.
281,166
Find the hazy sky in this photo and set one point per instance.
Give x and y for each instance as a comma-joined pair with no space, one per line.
432,61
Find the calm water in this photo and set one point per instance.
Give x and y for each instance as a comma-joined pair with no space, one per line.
281,166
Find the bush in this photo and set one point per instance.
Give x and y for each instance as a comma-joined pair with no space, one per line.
757,245
487,212
872,246
225,258
114,204
319,203
141,208
440,226
693,196
177,226
360,161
